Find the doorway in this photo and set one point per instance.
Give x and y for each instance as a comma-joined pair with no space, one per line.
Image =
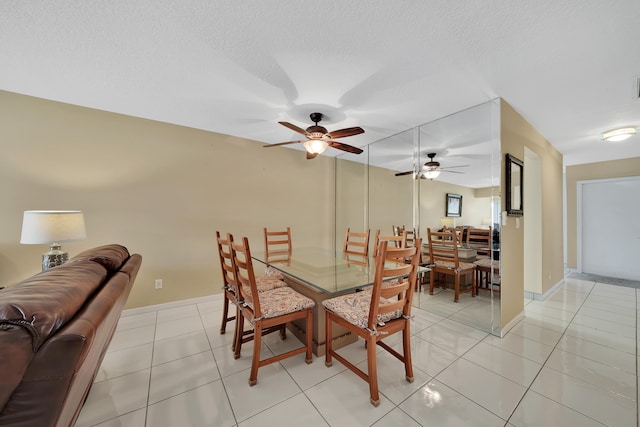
608,235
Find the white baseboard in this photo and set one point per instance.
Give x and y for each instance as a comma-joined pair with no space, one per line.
550,291
172,304
506,328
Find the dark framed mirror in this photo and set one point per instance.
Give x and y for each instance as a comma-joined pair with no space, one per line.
514,171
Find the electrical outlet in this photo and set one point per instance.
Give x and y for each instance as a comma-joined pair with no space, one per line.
158,283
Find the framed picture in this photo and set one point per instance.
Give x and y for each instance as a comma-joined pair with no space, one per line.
454,205
514,172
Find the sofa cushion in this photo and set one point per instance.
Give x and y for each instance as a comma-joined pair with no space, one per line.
110,257
35,309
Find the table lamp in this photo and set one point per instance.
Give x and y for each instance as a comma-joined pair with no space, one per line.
52,227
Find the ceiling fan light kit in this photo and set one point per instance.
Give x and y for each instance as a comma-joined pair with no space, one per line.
315,146
431,174
319,139
621,134
430,170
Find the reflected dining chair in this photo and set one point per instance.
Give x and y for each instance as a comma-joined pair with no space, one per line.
480,240
377,314
264,283
399,241
356,243
443,258
277,246
267,310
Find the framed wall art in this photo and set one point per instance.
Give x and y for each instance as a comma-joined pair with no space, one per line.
454,205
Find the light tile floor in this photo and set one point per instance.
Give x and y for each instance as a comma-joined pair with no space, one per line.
572,361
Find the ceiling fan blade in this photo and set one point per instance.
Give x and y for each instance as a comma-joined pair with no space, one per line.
295,128
311,155
344,147
450,171
343,133
405,173
280,143
451,167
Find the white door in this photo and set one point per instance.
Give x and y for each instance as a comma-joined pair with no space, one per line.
609,227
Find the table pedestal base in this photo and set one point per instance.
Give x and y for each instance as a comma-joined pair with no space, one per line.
340,336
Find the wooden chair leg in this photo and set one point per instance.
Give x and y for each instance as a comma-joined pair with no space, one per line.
257,342
474,284
406,347
373,372
237,347
225,314
457,288
431,279
235,330
309,356
328,348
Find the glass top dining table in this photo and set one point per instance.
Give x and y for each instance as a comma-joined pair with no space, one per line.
326,270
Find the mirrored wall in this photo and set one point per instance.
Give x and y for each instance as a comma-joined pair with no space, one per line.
386,186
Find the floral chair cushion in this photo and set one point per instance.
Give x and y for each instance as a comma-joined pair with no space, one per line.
487,263
267,283
279,301
354,308
452,266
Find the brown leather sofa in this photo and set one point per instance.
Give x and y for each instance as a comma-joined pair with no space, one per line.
55,328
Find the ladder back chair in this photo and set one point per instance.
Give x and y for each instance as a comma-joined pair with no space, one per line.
277,246
480,240
230,290
356,243
377,314
399,241
266,310
443,257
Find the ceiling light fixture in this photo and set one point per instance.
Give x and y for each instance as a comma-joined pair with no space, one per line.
315,146
432,173
617,135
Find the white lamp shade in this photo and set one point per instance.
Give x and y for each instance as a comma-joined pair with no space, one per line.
40,227
315,146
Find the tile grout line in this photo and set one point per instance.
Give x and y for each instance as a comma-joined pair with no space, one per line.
547,359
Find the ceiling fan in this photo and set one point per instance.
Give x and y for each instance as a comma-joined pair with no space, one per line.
431,169
318,138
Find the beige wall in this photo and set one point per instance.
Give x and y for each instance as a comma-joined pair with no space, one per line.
476,204
161,190
599,170
517,133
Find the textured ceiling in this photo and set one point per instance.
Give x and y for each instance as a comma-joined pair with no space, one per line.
238,67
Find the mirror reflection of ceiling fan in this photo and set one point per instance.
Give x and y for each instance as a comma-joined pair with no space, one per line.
431,169
318,138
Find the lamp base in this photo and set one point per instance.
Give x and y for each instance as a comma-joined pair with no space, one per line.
54,257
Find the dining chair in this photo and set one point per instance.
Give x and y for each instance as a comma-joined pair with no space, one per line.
376,315
356,243
486,269
443,258
230,292
480,240
277,246
397,229
410,237
267,310
399,241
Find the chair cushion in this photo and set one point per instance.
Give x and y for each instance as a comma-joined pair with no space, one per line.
452,266
487,263
280,301
354,308
267,283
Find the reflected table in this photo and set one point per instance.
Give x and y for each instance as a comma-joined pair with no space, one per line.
322,274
